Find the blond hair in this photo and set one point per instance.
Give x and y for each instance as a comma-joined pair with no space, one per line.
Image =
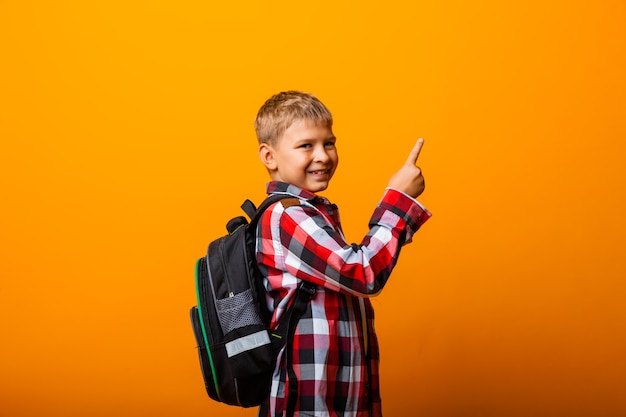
281,110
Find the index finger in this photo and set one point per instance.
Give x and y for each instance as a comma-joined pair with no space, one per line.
415,152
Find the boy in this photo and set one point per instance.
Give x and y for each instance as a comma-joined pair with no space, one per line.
331,369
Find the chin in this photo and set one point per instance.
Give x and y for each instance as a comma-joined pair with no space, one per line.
318,188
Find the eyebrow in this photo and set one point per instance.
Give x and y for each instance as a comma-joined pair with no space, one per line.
311,139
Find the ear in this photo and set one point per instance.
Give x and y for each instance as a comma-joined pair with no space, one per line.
266,153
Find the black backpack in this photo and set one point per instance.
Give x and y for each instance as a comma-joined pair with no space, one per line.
236,347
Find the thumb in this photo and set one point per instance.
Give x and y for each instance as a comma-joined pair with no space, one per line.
415,152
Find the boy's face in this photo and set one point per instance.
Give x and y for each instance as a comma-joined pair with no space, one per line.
305,156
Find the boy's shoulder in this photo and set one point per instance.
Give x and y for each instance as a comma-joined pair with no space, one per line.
294,207
290,202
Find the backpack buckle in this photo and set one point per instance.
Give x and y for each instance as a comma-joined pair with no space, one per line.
307,288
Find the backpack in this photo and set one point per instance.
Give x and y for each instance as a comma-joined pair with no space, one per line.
236,347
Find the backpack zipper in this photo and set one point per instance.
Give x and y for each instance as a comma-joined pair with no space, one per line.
206,332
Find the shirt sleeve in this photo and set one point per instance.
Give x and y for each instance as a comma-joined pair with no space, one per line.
315,251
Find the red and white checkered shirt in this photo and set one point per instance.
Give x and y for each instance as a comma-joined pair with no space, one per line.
335,350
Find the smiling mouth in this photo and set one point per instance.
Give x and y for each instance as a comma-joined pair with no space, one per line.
320,172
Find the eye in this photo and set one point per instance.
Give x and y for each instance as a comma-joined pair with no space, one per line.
330,144
305,146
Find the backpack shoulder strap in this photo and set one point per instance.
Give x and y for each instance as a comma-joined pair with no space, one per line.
255,213
283,335
306,290
287,328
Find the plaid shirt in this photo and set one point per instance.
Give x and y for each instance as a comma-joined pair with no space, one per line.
335,350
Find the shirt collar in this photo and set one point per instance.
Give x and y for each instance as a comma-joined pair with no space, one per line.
283,187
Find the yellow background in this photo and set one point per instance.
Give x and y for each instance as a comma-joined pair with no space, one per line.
127,143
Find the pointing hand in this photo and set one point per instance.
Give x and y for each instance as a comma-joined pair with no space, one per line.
408,178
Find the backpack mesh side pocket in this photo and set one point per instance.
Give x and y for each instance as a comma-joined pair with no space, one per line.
237,311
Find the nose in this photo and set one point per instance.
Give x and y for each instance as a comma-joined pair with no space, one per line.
321,155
